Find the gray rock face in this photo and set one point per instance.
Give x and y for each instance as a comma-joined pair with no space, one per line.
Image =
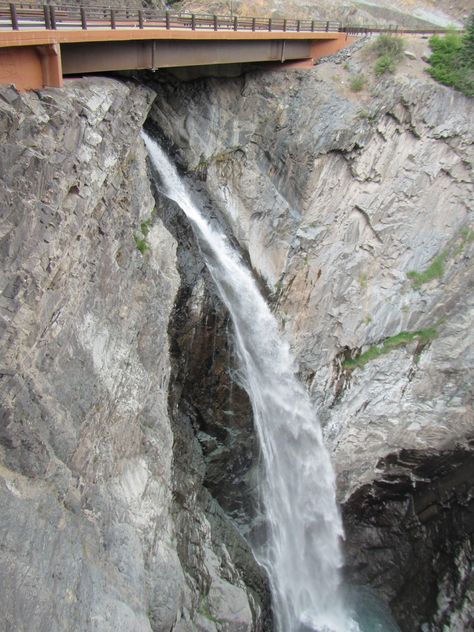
420,558
357,213
92,533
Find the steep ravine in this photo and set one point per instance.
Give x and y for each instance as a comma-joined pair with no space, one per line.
126,447
357,211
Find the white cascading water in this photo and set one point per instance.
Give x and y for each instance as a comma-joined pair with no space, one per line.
302,555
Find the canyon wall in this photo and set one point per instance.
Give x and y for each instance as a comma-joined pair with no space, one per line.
98,529
356,210
126,445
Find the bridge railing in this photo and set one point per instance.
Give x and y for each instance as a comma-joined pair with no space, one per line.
37,15
33,15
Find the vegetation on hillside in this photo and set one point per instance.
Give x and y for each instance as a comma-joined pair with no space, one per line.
389,51
452,61
423,337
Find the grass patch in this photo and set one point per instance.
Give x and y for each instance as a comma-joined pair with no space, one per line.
358,83
385,64
452,61
389,50
141,241
363,281
204,610
434,271
402,339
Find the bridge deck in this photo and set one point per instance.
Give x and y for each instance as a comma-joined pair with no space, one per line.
42,43
70,36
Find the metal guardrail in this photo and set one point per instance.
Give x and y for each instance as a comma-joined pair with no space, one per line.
16,16
36,15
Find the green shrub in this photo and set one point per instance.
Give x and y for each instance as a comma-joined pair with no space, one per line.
384,64
142,244
452,61
358,83
387,44
389,50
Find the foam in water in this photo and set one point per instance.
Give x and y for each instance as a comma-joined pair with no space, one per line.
302,554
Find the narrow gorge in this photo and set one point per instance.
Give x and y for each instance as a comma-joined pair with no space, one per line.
130,466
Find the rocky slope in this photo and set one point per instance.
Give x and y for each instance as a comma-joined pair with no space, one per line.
419,14
356,210
98,529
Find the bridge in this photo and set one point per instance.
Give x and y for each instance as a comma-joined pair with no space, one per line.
42,44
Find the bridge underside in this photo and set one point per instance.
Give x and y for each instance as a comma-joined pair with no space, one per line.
33,66
102,56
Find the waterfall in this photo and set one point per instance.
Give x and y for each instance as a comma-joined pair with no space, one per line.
302,553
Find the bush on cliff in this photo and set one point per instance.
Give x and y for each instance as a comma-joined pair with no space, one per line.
389,50
452,61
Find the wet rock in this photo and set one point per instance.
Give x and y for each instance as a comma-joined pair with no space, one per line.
410,535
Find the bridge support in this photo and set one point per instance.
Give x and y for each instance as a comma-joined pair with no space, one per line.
31,67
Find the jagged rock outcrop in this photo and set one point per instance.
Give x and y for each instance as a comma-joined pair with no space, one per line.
356,210
105,524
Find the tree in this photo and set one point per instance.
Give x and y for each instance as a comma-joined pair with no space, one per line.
468,43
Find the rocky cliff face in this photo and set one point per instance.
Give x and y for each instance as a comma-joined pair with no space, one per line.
125,442
100,528
356,211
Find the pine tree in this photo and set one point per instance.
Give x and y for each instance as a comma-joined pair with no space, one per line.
467,52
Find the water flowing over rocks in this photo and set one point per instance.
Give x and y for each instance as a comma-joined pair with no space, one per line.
357,212
127,451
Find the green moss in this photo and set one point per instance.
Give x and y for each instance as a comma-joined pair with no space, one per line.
402,339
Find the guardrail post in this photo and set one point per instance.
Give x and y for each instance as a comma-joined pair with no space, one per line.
47,21
52,16
269,24
236,23
298,25
140,19
214,19
327,27
13,17
167,20
284,24
253,24
83,19
193,22
112,19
